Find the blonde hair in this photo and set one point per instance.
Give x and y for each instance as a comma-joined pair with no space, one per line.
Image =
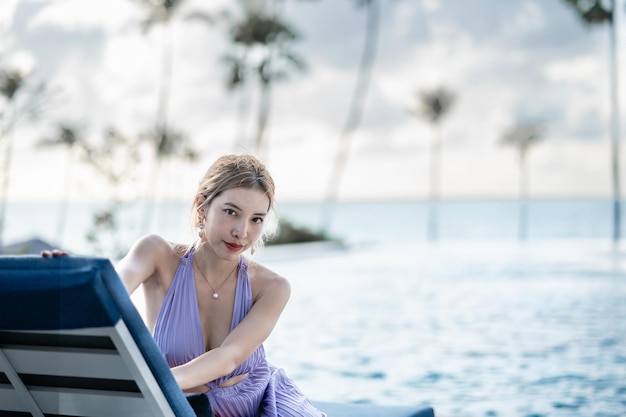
237,171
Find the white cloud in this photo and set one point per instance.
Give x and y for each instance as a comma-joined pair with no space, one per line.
23,61
529,18
76,15
580,69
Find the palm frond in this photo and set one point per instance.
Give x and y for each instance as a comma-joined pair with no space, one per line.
66,135
524,134
202,17
434,104
236,71
296,60
168,142
10,82
592,12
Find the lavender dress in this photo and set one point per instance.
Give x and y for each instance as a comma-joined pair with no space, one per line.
266,392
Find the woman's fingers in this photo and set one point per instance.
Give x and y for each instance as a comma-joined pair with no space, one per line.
54,253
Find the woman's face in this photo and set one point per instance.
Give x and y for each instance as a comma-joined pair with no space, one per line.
234,220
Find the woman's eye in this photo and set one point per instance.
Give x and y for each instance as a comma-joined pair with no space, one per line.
230,212
258,220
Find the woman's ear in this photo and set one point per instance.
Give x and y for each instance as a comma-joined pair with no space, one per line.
200,207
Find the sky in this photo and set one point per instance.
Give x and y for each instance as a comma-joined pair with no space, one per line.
505,61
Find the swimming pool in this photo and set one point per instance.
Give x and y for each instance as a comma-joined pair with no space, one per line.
473,328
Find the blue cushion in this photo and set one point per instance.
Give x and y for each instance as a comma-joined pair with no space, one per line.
61,293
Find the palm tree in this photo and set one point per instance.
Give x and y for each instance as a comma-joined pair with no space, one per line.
433,106
71,138
597,13
357,106
235,82
167,144
161,12
18,101
166,141
10,83
523,136
268,37
115,159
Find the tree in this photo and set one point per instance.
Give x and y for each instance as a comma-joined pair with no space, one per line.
71,138
433,106
161,12
268,38
115,159
17,99
166,141
357,106
597,12
523,136
167,144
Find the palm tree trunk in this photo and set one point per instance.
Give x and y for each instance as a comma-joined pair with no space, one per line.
435,182
6,168
165,81
356,110
264,113
265,95
7,135
243,110
151,196
161,128
615,128
523,197
69,175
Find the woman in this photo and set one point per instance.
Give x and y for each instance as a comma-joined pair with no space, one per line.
209,307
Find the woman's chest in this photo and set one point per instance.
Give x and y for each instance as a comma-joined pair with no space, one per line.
215,315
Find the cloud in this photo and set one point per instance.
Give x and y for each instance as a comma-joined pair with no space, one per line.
84,15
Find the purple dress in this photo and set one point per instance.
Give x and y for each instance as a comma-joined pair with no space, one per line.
266,392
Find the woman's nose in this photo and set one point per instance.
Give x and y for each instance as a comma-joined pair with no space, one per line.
239,230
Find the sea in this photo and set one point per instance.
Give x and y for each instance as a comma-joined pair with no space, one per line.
481,320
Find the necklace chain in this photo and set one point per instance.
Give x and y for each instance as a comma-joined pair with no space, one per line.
215,294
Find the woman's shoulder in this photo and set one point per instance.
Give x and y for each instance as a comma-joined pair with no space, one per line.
264,278
159,247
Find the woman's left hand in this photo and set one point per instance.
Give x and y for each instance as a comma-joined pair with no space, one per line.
54,253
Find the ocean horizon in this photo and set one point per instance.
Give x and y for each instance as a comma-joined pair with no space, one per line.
350,222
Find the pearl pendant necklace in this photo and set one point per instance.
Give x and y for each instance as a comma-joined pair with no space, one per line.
215,295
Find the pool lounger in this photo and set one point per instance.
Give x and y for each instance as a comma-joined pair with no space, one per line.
73,344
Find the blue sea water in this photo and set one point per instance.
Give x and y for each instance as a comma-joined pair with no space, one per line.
473,329
476,323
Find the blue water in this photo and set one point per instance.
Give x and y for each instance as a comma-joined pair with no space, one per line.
473,329
476,323
408,221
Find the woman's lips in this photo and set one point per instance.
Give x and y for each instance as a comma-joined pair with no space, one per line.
233,247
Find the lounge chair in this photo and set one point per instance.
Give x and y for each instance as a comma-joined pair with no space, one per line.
73,344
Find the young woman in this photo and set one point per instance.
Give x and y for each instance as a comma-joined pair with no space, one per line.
209,307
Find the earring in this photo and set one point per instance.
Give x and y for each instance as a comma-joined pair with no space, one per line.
201,230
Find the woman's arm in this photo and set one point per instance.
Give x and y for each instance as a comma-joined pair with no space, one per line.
142,260
243,340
